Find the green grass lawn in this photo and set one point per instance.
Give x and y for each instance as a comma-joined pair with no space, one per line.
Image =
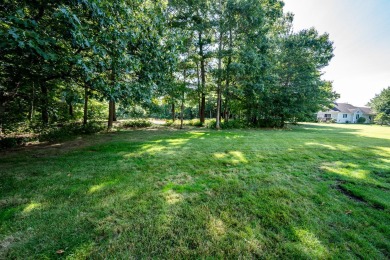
314,191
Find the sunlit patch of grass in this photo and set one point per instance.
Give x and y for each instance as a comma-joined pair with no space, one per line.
32,206
96,188
316,191
331,147
310,245
172,197
216,227
346,169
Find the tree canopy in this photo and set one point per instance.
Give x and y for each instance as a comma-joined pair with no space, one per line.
81,59
381,105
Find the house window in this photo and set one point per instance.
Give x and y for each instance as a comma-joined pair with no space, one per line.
369,117
357,116
328,116
345,115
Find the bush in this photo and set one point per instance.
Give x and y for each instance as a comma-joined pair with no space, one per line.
15,141
231,124
63,132
361,120
195,122
137,123
382,119
169,122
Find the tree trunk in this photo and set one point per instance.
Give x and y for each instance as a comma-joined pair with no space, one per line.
202,108
182,100
226,109
199,90
110,113
173,112
219,82
114,112
31,110
85,118
45,103
203,79
182,113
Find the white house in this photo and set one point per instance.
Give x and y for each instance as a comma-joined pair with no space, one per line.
346,113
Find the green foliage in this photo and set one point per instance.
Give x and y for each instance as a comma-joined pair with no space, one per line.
138,123
231,124
12,142
382,119
361,120
195,122
169,122
381,102
144,56
191,122
67,131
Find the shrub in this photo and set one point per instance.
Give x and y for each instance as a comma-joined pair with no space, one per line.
232,124
137,123
361,120
195,122
168,122
382,119
15,141
63,132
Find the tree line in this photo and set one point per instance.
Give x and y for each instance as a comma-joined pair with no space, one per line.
240,58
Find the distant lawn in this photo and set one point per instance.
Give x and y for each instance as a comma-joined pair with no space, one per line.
315,191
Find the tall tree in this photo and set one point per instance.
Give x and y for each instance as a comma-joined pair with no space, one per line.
381,105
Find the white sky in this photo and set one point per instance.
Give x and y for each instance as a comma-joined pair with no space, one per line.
360,30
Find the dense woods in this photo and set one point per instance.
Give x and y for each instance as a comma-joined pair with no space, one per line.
80,60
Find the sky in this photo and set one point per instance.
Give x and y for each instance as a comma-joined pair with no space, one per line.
360,30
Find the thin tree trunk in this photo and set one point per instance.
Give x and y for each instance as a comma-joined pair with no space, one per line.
199,91
85,118
31,110
114,112
219,82
203,108
226,111
173,111
110,113
203,79
182,112
182,100
45,103
111,104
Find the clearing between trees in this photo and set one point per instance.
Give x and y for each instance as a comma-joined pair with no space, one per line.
313,191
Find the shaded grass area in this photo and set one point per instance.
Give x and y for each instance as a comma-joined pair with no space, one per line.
315,191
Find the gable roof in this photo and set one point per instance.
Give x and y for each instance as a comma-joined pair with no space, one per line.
367,110
348,108
344,107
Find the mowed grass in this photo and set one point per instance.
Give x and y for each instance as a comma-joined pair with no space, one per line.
314,191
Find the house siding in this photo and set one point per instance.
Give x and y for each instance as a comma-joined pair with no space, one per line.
342,120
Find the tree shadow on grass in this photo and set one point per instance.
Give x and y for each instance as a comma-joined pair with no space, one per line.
196,194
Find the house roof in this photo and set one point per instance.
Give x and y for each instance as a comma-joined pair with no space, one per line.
367,110
348,108
344,107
